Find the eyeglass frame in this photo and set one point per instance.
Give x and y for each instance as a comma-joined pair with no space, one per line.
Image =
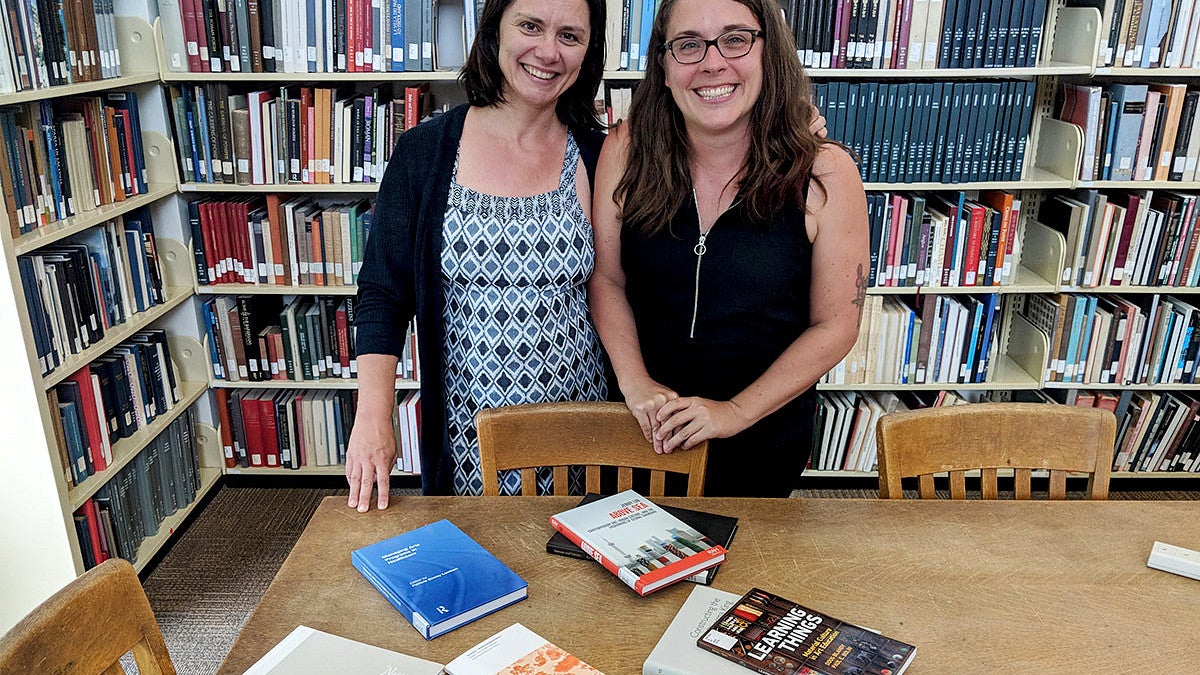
715,42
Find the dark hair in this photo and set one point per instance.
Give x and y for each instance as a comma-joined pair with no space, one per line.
484,82
657,179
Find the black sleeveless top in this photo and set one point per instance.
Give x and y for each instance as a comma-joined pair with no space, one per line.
711,333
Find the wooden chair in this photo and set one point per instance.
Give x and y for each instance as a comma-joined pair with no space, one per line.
991,436
591,434
86,627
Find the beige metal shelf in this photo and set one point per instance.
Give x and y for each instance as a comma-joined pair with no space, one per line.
1123,387
1027,281
1165,290
324,383
315,78
305,188
1166,74
79,88
272,289
1007,376
126,449
1036,178
1140,184
57,231
331,470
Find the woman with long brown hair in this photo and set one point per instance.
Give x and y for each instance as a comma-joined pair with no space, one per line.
731,246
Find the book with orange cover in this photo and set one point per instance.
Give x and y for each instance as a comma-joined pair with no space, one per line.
516,650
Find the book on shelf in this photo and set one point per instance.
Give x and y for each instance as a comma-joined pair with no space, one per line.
438,577
516,650
45,44
283,428
308,651
163,478
1146,33
1156,431
771,634
408,432
716,527
676,652
635,539
844,429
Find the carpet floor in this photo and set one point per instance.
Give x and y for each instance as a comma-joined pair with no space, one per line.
205,586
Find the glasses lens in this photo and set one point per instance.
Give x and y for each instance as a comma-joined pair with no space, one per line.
688,50
735,43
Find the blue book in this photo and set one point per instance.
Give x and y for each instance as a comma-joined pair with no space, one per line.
438,577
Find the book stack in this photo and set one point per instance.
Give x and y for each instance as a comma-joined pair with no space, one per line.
1156,431
278,243
1135,132
1148,33
283,428
408,427
112,398
161,479
937,132
45,44
63,158
844,430
79,290
296,134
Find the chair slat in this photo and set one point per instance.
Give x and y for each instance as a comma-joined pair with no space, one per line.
958,485
988,487
1021,482
1058,484
592,477
624,478
926,486
658,483
529,482
561,482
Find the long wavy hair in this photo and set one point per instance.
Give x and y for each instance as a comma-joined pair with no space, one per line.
657,179
484,81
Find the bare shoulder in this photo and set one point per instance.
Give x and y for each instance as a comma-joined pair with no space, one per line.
838,176
617,144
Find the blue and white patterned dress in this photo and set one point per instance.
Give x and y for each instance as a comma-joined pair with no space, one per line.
514,271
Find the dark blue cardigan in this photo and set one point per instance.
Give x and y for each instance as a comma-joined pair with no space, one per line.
401,271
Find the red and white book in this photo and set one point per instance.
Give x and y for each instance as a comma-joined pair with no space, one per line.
646,547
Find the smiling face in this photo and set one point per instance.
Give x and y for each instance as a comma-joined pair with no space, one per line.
542,45
717,94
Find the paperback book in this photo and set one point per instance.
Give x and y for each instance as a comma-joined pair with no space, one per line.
646,547
516,650
676,652
773,635
307,651
715,526
438,577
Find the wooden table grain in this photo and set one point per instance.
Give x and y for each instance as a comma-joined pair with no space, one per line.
980,587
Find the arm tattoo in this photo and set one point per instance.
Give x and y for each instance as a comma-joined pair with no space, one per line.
860,293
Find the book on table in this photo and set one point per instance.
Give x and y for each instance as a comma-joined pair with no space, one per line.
307,651
516,650
715,526
438,577
677,653
646,547
773,635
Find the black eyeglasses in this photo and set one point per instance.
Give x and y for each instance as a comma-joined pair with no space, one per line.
732,44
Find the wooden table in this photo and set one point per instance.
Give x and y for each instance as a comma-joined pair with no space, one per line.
980,587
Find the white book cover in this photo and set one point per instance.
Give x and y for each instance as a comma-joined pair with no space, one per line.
676,652
516,650
307,651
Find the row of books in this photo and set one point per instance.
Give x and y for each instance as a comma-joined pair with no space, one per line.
269,241
78,290
1148,33
296,134
45,43
286,428
1127,238
1136,339
163,478
1135,131
110,399
69,156
844,429
259,338
408,426
917,34
919,340
316,36
943,240
1155,431
940,132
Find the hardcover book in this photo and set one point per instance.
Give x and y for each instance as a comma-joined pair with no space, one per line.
516,650
716,527
307,651
438,577
773,635
646,547
676,652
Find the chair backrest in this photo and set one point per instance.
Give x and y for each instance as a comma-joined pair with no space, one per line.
589,434
989,436
86,627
